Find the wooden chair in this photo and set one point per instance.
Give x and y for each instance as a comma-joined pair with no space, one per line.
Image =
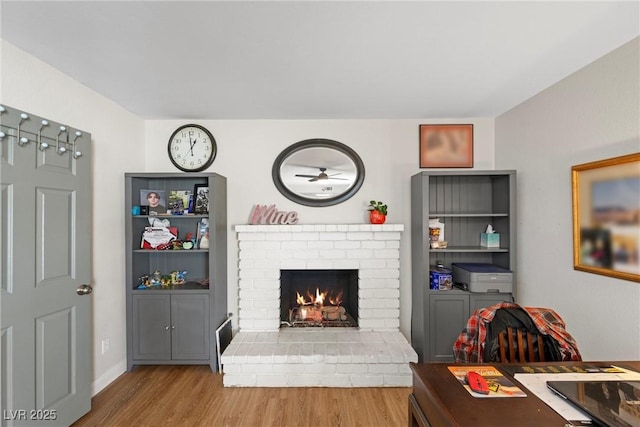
524,345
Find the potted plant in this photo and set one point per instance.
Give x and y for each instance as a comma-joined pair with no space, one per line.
378,212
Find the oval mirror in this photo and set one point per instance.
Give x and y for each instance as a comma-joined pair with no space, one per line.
318,172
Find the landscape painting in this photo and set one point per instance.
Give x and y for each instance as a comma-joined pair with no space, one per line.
606,214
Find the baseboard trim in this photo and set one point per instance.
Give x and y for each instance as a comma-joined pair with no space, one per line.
108,377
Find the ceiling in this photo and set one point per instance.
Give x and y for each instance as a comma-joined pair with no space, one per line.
318,59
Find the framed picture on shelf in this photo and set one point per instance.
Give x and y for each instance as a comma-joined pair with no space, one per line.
606,217
446,146
155,199
201,199
179,201
202,235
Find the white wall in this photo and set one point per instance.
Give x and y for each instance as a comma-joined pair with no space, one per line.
247,149
591,115
34,87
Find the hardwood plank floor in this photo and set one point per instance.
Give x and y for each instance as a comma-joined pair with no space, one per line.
194,396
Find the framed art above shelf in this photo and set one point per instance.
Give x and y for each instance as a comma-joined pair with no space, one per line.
606,217
446,146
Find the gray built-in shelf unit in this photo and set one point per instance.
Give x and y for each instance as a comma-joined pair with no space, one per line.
176,324
466,202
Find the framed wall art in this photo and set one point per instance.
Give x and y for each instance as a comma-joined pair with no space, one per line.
606,217
446,146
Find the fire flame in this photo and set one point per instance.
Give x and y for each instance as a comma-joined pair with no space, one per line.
311,307
318,299
337,300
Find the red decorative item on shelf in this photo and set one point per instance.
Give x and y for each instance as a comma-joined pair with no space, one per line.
377,212
376,217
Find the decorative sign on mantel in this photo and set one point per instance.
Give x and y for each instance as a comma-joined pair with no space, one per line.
271,215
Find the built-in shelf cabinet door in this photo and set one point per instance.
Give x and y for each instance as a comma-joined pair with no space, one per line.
190,336
151,327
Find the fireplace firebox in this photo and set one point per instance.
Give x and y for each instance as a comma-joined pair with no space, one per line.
318,298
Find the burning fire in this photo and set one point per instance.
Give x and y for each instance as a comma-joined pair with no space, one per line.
319,298
310,305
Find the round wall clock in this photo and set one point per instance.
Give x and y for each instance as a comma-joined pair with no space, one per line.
192,148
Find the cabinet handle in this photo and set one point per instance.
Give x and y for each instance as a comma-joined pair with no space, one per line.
166,328
173,326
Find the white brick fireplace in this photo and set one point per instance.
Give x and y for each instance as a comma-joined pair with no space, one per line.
374,354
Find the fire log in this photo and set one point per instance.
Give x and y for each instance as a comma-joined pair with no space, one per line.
334,313
306,313
317,314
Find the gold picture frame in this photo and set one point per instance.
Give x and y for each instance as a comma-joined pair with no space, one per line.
606,217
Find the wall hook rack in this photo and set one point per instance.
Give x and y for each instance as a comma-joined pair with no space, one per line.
18,128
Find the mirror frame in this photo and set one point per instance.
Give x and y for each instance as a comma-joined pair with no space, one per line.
318,143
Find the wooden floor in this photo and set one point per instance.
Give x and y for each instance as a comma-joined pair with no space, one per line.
194,396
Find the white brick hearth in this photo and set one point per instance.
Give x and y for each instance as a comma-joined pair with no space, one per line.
374,354
318,357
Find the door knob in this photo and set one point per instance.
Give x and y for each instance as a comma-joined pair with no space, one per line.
84,290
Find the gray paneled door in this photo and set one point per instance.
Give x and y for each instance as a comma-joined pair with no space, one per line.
46,258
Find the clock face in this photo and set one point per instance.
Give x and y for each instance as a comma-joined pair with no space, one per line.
192,148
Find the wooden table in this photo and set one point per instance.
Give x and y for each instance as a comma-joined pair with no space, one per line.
438,399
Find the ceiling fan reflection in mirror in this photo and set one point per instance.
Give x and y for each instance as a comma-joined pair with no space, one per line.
318,172
322,176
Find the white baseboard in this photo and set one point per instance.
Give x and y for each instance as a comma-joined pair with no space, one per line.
108,377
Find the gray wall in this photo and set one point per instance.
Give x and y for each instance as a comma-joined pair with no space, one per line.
591,115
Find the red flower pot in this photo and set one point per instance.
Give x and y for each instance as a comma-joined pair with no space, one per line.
376,217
